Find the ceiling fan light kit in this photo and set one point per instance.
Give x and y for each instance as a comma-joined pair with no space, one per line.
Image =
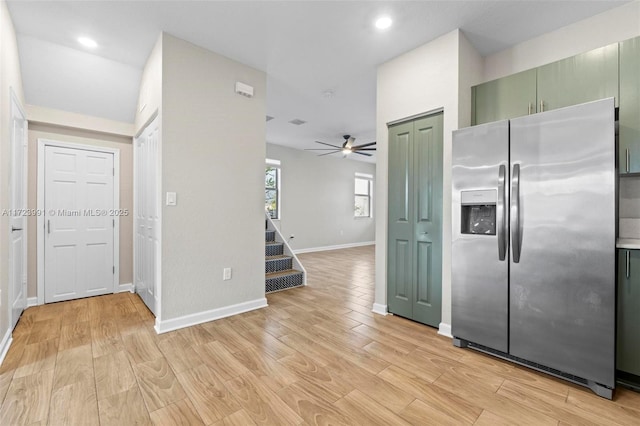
347,147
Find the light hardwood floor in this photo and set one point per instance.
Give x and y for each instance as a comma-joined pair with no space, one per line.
316,355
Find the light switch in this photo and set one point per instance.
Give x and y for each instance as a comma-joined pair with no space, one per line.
171,199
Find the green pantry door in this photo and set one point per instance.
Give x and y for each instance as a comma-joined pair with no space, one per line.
414,281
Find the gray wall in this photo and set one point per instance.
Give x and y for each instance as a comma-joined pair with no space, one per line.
213,153
317,199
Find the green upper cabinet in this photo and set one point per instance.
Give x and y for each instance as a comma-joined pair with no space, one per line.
629,106
507,97
582,78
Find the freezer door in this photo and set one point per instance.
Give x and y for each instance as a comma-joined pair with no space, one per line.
479,237
562,288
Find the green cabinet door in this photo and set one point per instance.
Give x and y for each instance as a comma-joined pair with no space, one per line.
628,353
414,273
582,78
629,130
507,97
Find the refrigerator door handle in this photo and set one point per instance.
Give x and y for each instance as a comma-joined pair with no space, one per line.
515,213
501,214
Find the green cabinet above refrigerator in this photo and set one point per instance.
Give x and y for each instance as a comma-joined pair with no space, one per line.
509,97
629,130
581,78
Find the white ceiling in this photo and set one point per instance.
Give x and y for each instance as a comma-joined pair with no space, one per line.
305,47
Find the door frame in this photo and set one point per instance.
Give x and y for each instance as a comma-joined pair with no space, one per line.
159,201
42,144
16,108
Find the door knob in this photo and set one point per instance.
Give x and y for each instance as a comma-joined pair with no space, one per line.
15,229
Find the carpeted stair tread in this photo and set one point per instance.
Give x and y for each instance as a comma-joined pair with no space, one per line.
270,243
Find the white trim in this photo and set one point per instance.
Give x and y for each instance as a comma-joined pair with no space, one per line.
336,247
125,287
206,316
445,330
379,309
32,301
413,117
5,345
40,244
364,175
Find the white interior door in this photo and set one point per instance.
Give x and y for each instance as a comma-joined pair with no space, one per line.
79,223
147,215
18,216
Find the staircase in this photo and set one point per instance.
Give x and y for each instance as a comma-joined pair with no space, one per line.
278,266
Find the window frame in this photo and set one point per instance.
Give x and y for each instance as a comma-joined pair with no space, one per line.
274,164
369,179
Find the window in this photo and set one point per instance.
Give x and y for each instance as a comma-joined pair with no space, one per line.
363,184
272,188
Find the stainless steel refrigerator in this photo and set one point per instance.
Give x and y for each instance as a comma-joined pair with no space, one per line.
533,243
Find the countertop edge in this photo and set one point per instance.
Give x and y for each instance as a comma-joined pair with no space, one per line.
628,243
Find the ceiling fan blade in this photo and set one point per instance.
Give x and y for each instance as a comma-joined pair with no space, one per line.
364,149
328,144
365,144
327,153
361,153
322,149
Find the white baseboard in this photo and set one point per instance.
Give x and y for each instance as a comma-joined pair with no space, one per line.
33,301
336,247
206,316
125,287
445,330
379,309
5,345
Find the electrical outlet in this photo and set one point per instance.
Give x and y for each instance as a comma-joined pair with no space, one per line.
226,274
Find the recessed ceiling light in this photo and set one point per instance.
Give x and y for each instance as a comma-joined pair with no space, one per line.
383,22
87,42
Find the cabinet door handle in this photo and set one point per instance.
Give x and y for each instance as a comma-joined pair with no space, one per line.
628,265
529,109
627,159
541,106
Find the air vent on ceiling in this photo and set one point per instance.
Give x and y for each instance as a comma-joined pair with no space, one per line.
297,122
269,118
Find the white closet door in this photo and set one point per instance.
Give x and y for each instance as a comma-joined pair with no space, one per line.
79,223
17,219
147,216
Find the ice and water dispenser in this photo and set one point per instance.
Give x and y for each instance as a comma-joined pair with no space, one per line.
478,214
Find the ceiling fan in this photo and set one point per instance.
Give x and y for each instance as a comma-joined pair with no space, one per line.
347,147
